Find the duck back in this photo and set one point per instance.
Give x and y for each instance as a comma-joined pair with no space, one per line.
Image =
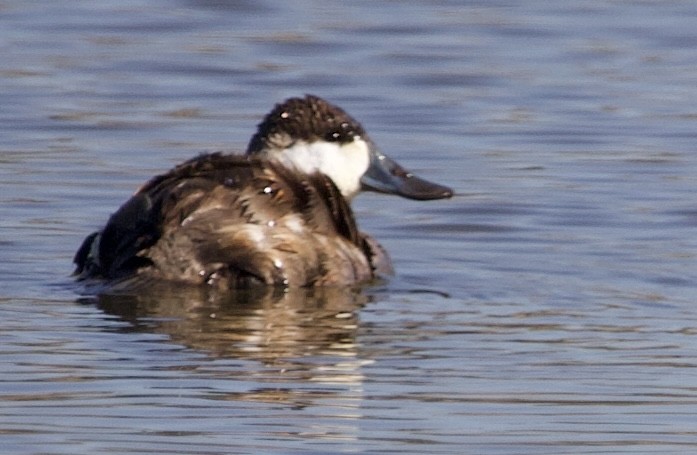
232,221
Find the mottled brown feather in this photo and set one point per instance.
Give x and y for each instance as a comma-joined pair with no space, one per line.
232,221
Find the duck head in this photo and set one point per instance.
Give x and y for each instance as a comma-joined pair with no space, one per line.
311,135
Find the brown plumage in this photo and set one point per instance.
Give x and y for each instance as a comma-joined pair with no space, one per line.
234,221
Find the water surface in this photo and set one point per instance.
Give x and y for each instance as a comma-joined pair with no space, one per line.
549,308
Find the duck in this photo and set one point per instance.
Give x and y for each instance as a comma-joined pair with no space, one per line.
277,215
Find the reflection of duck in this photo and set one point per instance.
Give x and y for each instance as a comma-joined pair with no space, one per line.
279,215
293,346
267,324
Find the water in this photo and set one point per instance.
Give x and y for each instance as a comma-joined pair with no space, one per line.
549,308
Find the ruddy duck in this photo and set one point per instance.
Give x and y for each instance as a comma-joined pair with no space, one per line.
278,216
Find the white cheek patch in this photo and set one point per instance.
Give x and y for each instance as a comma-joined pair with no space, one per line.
344,163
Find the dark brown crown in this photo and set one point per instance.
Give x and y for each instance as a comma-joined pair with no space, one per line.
307,119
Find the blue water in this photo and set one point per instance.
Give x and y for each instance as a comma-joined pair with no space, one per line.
549,308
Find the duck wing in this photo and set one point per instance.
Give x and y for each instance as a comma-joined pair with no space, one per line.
231,221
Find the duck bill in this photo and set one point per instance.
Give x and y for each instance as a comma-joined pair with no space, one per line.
386,176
